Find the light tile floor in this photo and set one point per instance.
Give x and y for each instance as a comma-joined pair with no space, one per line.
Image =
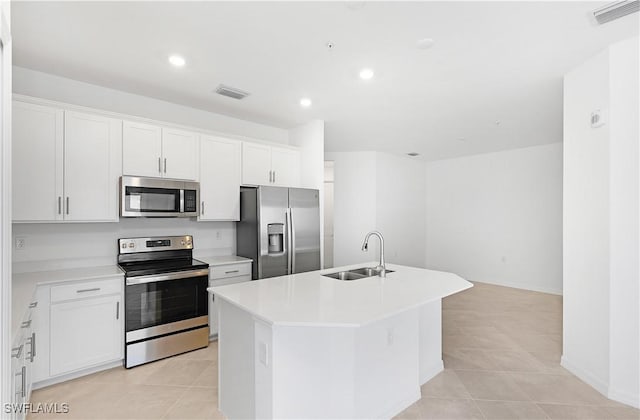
501,350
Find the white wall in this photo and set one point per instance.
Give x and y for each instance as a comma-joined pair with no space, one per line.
5,203
625,223
63,245
497,217
56,88
400,199
601,224
378,191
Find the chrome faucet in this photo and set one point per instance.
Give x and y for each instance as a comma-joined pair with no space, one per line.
381,268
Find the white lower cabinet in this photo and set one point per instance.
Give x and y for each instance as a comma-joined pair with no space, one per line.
81,326
23,354
222,275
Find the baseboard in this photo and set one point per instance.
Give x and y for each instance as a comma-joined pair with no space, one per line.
521,286
600,385
625,398
75,375
400,407
586,376
427,374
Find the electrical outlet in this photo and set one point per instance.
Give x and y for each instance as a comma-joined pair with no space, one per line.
20,242
218,235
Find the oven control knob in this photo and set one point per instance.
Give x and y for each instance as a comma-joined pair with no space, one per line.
181,242
124,246
131,245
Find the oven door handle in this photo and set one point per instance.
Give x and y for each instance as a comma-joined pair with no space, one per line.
168,276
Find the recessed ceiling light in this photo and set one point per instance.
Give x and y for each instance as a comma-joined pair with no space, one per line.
305,102
425,43
366,74
177,60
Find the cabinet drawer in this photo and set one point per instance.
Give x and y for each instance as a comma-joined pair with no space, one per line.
229,280
86,289
231,270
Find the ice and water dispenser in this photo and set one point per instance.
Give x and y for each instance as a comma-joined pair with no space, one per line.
275,231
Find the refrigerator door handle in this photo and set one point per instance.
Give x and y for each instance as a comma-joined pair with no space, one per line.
292,251
289,240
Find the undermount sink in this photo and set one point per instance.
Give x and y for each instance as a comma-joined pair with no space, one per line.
355,274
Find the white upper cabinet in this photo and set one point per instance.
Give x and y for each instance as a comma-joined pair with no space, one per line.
65,165
285,164
150,150
220,168
93,151
141,149
266,165
179,154
256,164
37,162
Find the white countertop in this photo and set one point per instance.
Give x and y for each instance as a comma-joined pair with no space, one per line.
23,285
311,299
224,260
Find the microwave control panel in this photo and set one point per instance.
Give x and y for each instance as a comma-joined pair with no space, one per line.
190,204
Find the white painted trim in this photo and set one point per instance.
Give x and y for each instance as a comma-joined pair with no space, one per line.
585,376
78,374
519,286
625,398
128,117
5,207
401,406
431,372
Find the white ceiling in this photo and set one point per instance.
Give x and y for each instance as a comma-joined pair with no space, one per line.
492,61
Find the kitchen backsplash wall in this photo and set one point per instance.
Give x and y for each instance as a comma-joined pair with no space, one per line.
67,245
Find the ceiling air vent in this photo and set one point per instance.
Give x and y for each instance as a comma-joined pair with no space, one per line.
231,92
616,10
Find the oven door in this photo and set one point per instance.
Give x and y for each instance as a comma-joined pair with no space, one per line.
165,303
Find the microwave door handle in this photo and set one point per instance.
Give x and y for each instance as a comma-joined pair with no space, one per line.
181,201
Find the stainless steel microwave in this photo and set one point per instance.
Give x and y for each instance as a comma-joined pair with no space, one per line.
156,197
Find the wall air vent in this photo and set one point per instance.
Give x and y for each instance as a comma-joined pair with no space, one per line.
616,10
231,92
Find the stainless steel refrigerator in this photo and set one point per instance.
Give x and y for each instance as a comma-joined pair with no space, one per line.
279,230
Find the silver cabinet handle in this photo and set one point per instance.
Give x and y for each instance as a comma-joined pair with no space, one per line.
232,271
32,342
25,324
202,208
17,351
118,310
274,177
159,164
165,165
67,205
33,304
24,381
270,176
59,205
94,289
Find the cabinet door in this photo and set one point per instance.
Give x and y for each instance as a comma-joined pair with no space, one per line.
285,164
179,154
220,167
37,162
213,307
85,333
256,164
141,149
92,166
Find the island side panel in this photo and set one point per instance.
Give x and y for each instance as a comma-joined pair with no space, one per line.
387,364
236,377
313,372
430,340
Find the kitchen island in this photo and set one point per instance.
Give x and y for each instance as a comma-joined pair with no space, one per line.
310,346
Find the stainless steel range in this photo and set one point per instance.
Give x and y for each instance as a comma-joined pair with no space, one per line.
166,308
